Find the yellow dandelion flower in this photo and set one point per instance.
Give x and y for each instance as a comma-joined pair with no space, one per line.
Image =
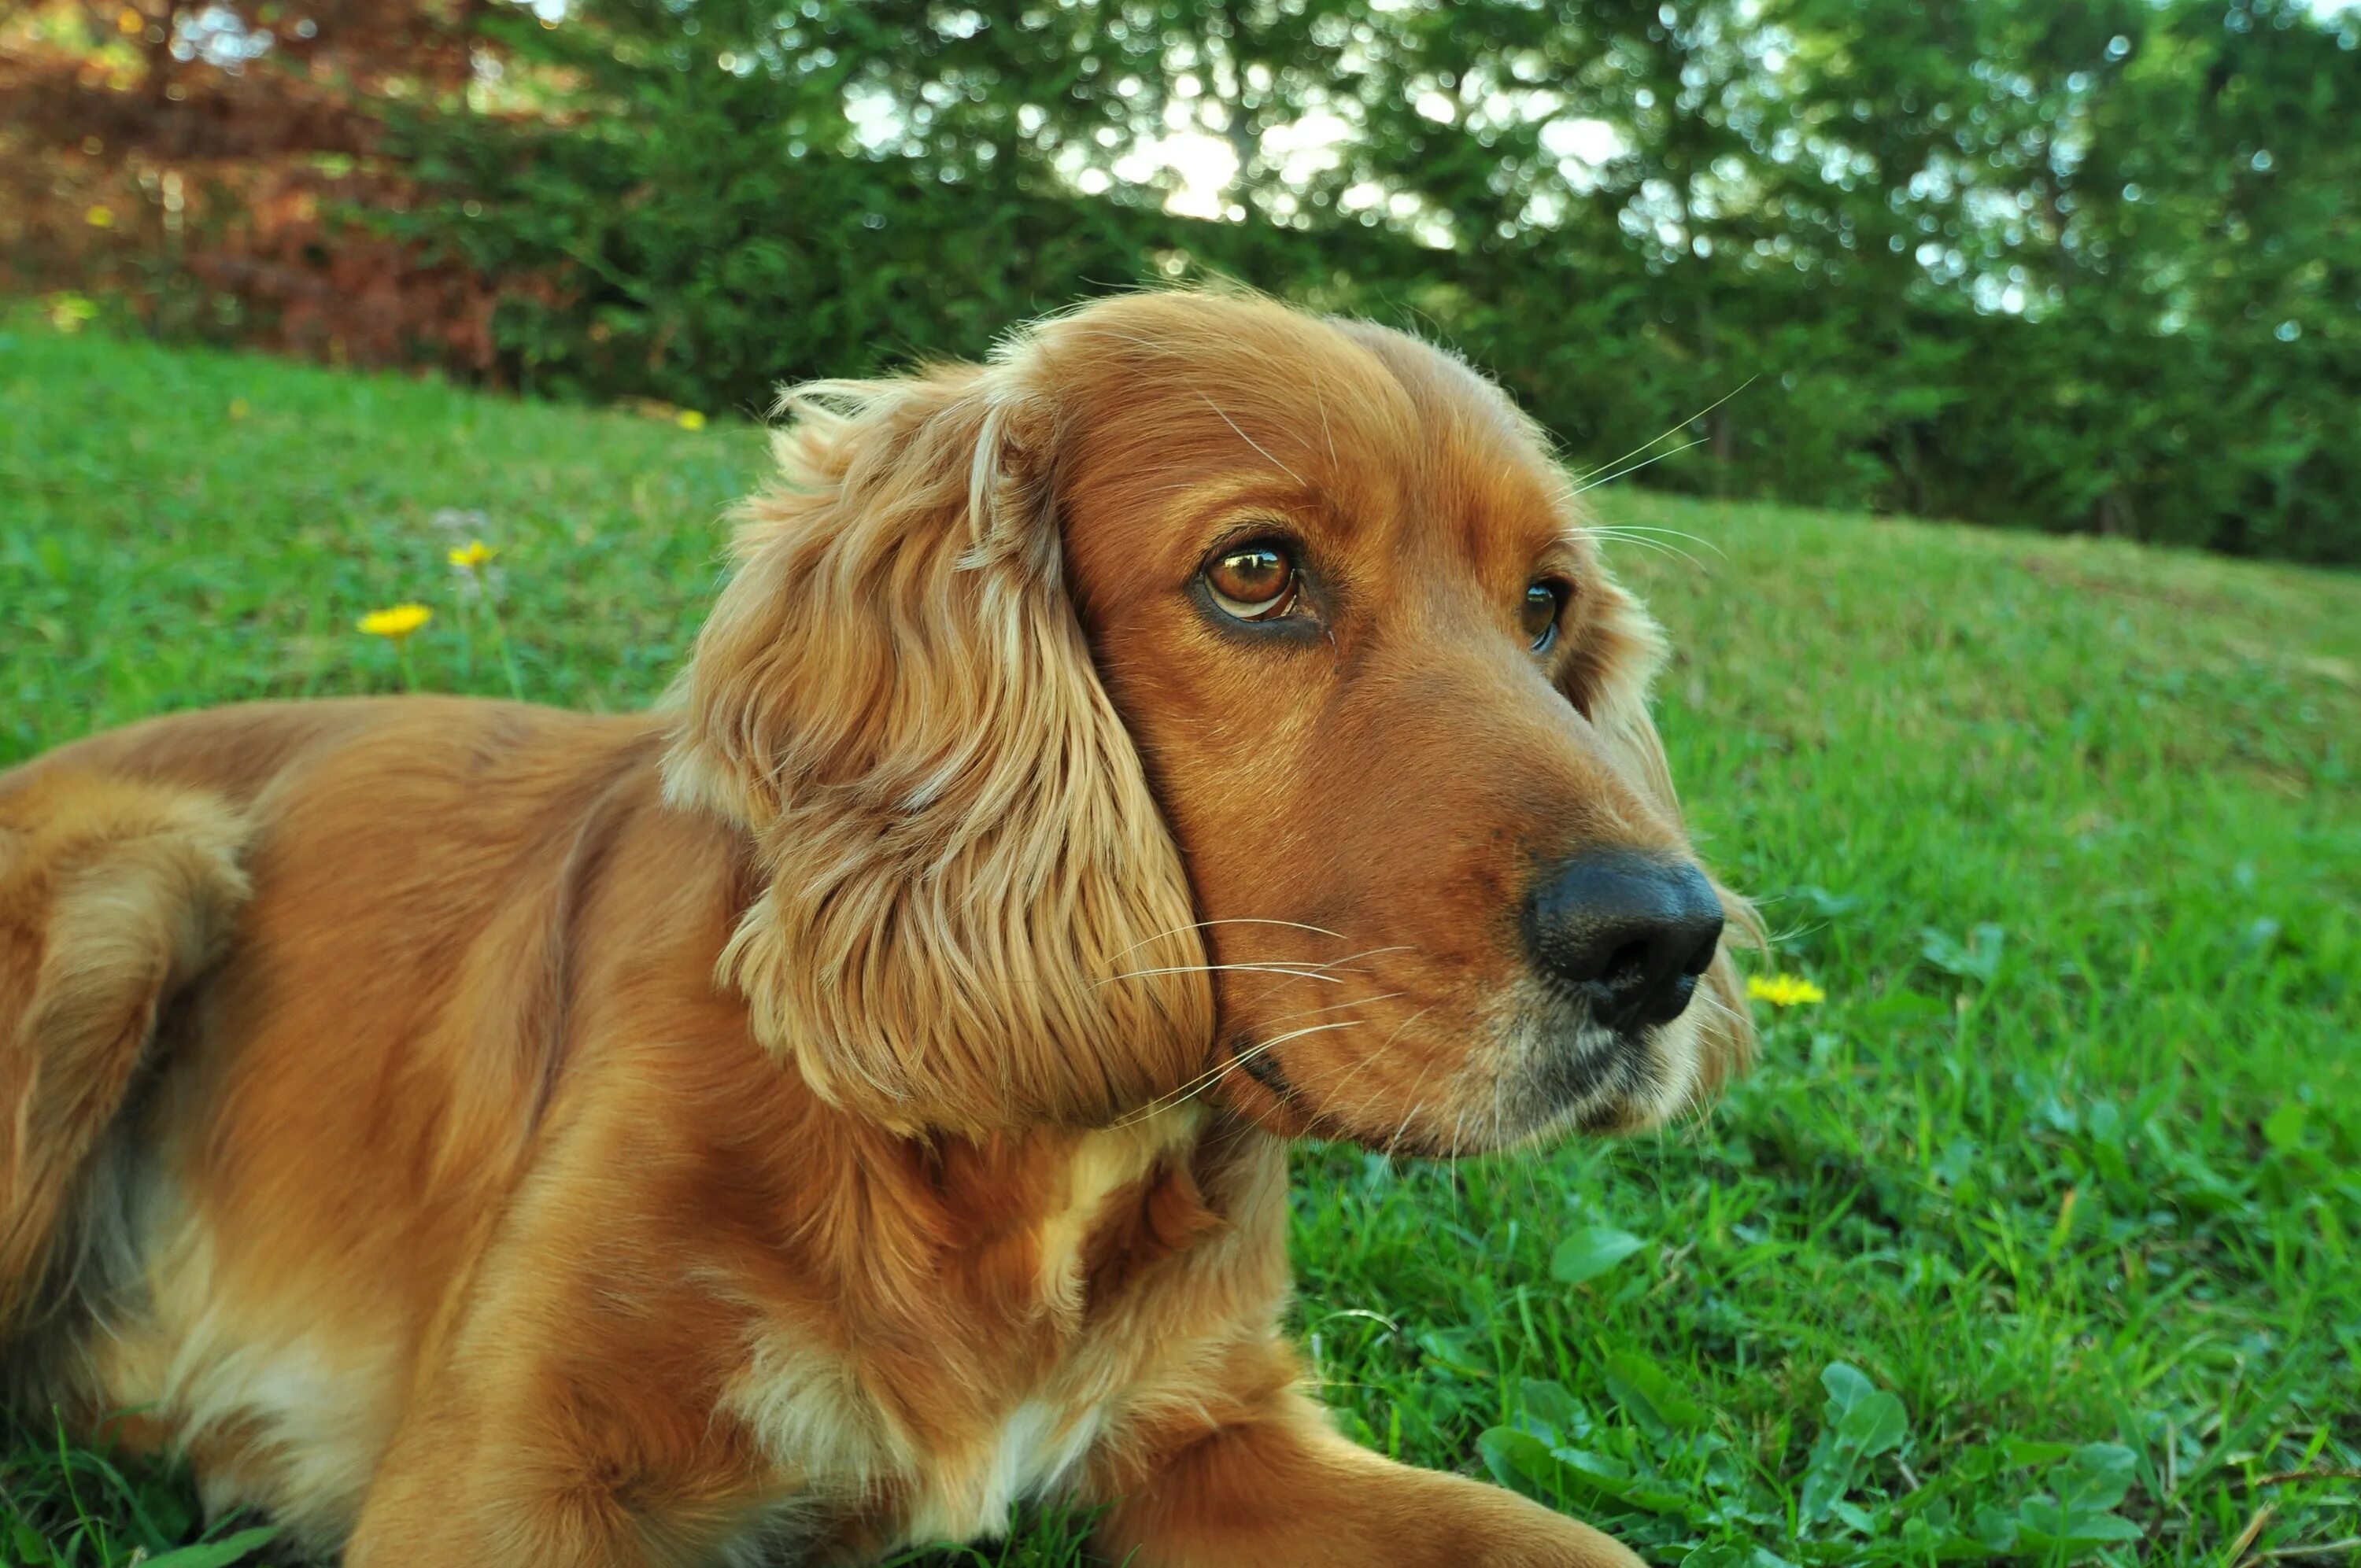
1783,989
100,217
69,310
237,408
397,622
689,419
472,554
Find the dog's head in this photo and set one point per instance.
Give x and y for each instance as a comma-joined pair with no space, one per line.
1203,698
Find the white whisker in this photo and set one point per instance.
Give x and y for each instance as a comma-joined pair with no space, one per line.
1250,440
1332,1006
1210,968
1239,920
1640,534
1363,953
1589,485
1675,430
1362,1066
1657,546
1213,1075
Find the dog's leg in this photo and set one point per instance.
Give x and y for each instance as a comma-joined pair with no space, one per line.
567,1421
555,1481
510,1458
431,1506
1285,1491
112,895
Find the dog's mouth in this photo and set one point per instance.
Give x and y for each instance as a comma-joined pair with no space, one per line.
1562,1067
1264,1069
1538,1062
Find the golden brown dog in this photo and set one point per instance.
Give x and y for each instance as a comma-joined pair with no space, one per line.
826,1113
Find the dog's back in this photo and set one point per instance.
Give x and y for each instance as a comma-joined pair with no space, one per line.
281,1002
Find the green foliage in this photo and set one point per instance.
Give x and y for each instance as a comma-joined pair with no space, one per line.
1861,1422
1591,1252
2082,266
65,1507
1674,1463
2078,1195
716,234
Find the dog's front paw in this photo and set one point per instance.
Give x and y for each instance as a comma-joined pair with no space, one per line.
1541,1539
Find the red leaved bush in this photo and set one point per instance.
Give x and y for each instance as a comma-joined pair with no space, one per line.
205,163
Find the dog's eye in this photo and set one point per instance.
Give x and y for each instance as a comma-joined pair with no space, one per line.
1544,601
1254,581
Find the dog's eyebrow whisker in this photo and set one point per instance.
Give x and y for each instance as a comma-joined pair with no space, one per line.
1258,445
1588,484
1674,430
1632,531
1647,539
1237,920
1657,546
1210,968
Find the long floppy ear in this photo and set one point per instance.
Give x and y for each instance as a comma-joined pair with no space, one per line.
1620,652
974,917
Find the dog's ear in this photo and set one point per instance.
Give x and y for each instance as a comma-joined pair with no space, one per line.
1608,680
972,915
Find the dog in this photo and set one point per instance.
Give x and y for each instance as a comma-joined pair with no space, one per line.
824,1113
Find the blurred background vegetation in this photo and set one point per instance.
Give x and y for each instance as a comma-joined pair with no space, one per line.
2081,265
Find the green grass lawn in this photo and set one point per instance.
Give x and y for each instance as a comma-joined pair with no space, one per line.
2038,1239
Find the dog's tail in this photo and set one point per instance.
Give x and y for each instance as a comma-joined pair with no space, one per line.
113,894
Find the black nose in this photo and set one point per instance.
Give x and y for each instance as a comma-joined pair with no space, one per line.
1629,933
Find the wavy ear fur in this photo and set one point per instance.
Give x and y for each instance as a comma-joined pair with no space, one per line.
974,917
1609,682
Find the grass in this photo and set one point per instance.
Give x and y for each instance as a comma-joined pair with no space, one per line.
2035,1241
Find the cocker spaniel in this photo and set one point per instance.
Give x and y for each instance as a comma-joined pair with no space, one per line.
826,1112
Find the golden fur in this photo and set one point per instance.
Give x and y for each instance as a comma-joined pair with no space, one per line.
832,1110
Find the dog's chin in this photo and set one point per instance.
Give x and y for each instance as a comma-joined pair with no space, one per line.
1561,1072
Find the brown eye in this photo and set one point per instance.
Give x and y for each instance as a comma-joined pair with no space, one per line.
1544,602
1253,582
